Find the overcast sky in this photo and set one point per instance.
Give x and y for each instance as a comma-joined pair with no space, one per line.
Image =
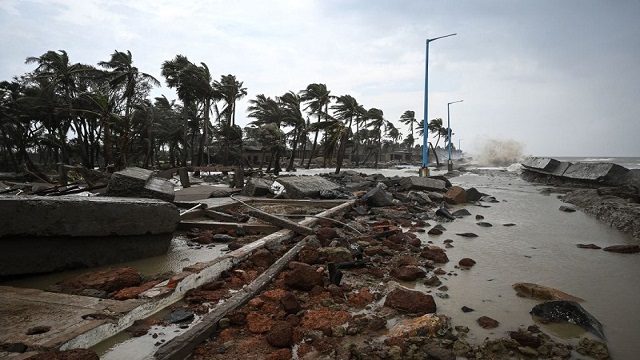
562,78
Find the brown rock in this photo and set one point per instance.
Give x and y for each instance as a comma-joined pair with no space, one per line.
430,324
280,335
466,262
525,339
290,303
361,298
407,273
258,323
303,277
326,233
133,292
324,319
437,254
273,295
623,249
414,302
309,255
486,322
262,258
455,195
433,281
108,280
280,354
407,260
198,296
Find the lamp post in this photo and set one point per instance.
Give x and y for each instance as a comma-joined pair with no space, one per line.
460,148
450,163
424,171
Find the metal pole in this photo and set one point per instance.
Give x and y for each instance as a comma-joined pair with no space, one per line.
450,162
424,171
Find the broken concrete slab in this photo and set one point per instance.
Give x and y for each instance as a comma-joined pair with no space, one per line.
138,182
41,234
300,187
541,164
606,173
423,183
257,187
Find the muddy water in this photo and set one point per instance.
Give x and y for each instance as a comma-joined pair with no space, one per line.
540,248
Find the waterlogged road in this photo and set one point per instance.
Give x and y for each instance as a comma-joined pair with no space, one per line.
540,248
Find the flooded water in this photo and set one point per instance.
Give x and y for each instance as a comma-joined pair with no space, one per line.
540,248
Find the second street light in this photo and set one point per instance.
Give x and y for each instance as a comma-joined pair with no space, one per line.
424,171
450,162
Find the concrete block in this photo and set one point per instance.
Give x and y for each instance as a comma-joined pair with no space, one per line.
257,187
158,188
540,164
606,173
300,187
128,182
423,183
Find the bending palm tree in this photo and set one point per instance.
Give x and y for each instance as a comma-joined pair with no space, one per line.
318,97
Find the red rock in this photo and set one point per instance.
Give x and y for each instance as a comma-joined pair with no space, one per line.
456,195
439,271
280,354
198,296
133,292
486,322
108,280
466,262
309,255
280,335
435,253
361,298
258,323
414,242
414,302
323,319
407,273
623,249
273,295
407,260
256,302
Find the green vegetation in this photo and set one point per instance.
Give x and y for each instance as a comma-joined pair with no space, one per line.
103,117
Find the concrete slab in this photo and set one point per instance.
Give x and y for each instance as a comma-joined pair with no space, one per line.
423,183
66,316
606,173
300,187
541,164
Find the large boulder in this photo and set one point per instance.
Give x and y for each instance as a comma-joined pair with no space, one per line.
414,302
423,183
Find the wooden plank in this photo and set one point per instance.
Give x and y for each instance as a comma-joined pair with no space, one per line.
183,346
209,225
283,223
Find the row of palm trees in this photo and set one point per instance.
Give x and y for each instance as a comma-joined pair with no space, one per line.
102,116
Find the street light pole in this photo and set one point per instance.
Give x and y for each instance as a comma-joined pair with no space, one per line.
450,163
459,148
424,171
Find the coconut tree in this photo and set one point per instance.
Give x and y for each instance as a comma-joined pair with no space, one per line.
128,81
292,116
378,123
409,118
346,109
230,90
435,127
317,98
270,115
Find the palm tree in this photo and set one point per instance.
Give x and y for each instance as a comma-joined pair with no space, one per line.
230,90
435,127
409,118
377,122
127,79
291,103
59,77
318,98
269,114
345,109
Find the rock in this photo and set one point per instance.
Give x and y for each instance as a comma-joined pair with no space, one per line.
434,231
484,224
525,339
262,258
303,277
461,213
474,195
178,315
290,303
134,291
623,249
420,197
280,335
488,198
593,348
423,183
567,208
466,262
109,280
138,182
541,292
433,281
588,246
223,238
407,273
429,324
467,235
436,254
335,254
378,197
324,319
414,302
455,195
486,322
466,309
326,233
300,187
258,323
443,212
257,187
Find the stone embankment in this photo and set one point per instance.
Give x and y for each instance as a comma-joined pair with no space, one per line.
609,192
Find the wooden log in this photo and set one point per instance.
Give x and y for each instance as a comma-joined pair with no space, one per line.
195,211
220,216
283,223
240,228
183,346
